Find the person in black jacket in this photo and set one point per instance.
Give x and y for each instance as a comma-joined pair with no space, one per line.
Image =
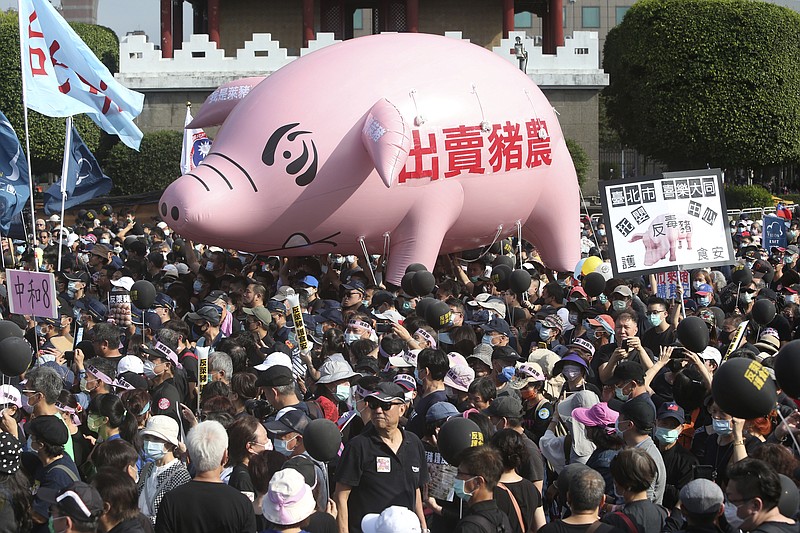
477,478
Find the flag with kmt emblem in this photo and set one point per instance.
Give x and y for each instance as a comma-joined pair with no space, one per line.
14,190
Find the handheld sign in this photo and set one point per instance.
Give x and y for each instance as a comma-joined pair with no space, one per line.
736,340
297,316
32,293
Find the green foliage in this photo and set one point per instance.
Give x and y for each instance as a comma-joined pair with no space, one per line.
153,167
580,159
697,82
744,196
791,198
47,134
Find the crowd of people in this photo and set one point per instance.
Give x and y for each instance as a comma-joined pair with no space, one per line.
191,415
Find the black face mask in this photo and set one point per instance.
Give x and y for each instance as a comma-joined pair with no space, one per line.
724,336
196,332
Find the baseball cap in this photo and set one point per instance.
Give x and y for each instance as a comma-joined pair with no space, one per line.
162,300
79,500
9,394
499,325
701,496
275,376
628,371
208,312
441,411
292,421
553,321
130,363
406,381
260,312
331,315
394,519
623,290
569,358
388,392
579,343
767,294
404,359
276,307
275,358
711,354
163,351
382,297
506,353
355,285
504,407
639,412
309,281
792,249
603,321
282,293
704,289
671,410
163,427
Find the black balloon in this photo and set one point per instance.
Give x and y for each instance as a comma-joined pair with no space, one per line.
693,333
787,368
455,436
81,214
422,307
743,388
405,283
322,439
423,282
9,329
143,294
520,281
743,276
790,497
415,267
594,284
501,275
438,315
15,356
503,260
763,311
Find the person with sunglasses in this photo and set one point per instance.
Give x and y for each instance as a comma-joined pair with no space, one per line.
382,466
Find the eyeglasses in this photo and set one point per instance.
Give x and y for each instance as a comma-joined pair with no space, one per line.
737,503
374,403
351,294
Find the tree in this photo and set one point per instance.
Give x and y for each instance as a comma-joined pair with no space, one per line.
706,82
46,133
153,167
579,159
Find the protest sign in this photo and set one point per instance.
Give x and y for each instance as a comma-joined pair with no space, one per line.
32,293
773,233
667,284
676,222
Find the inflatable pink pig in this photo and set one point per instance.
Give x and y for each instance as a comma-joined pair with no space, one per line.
663,237
421,143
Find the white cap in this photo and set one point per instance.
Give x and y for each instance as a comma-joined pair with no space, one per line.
130,363
125,282
394,519
54,218
405,360
711,354
275,358
170,270
162,225
391,315
10,394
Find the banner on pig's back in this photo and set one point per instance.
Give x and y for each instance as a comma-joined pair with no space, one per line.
674,222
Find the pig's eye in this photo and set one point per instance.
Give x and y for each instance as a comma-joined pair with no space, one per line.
297,148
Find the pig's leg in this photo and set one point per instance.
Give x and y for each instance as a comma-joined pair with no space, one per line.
689,240
419,237
673,243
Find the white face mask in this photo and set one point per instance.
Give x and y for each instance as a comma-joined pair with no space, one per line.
351,259
350,338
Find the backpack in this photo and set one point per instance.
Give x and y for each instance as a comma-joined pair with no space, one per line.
484,523
314,409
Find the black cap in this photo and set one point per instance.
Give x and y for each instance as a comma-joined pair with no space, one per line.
499,325
505,353
355,285
767,294
382,297
276,306
506,406
671,410
388,392
579,306
292,421
305,466
79,500
48,429
629,371
275,376
640,412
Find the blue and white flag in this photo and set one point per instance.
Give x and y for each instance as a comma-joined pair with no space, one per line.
83,179
63,77
196,145
14,189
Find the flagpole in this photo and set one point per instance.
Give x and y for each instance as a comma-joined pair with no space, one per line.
25,116
64,170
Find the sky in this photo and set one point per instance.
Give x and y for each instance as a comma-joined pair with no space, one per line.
125,16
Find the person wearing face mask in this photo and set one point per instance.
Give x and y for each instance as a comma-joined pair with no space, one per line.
629,384
162,472
725,443
574,369
504,360
754,488
480,360
54,470
39,396
353,294
278,311
477,478
704,295
432,366
286,432
662,333
537,409
310,285
635,423
678,461
577,320
257,321
333,388
159,370
457,381
550,334
205,324
108,418
247,438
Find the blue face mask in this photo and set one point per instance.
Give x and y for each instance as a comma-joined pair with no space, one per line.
487,339
603,299
703,301
154,450
544,334
458,488
656,319
721,427
282,446
667,436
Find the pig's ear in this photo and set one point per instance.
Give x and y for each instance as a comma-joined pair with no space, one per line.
387,138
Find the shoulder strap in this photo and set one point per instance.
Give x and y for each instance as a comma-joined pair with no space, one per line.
484,523
314,410
522,524
594,527
628,522
66,470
